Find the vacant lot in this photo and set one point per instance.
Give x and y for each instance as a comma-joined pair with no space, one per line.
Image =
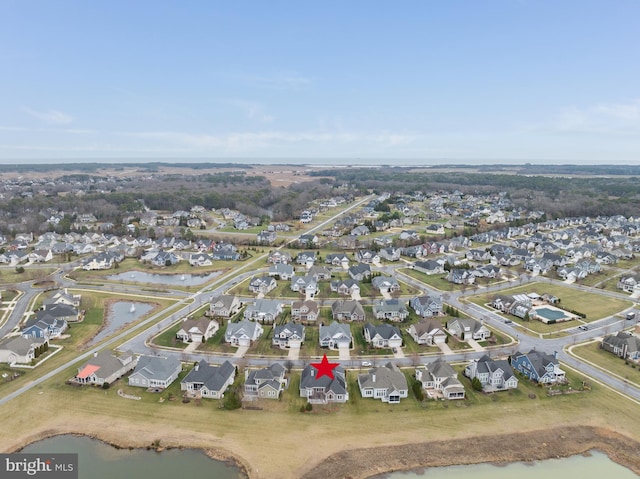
593,353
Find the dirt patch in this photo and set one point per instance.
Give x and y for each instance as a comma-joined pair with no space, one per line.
503,448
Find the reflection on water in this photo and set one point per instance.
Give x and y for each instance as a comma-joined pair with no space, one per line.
97,460
118,314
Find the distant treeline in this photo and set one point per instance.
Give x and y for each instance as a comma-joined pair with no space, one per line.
95,166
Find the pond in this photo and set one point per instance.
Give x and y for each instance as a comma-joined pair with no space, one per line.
98,460
119,314
594,466
168,279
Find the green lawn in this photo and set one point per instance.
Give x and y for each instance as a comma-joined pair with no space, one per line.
9,275
608,361
167,338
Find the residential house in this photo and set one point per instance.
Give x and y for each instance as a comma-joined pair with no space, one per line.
428,332
40,256
391,309
266,237
347,287
306,310
367,256
494,375
224,306
306,258
347,310
624,345
105,367
305,284
165,258
155,372
99,261
323,389
63,297
382,336
629,283
281,270
209,381
360,231
438,377
197,330
225,252
44,327
262,284
289,335
461,276
386,383
390,254
264,310
466,329
335,335
339,259
266,383
538,366
427,306
360,271
277,257
243,332
200,259
385,284
429,267
320,273
19,350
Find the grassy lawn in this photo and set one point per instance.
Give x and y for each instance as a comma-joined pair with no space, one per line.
437,281
9,275
311,347
8,295
168,339
608,361
216,344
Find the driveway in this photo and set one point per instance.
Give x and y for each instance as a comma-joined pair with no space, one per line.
356,296
241,351
474,344
191,347
294,353
444,347
399,354
343,353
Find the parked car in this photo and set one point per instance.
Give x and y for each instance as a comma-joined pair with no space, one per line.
366,363
584,327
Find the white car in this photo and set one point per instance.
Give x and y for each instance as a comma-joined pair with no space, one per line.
366,363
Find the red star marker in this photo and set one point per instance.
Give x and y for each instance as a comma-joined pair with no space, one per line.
325,368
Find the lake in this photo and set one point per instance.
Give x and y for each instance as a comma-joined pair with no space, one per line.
168,279
595,466
98,460
118,315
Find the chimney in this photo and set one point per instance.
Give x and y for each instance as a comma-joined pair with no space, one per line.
95,354
373,377
196,367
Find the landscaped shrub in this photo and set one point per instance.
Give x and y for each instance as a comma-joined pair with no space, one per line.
476,384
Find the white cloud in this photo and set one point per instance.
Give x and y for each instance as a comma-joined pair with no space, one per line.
603,118
53,117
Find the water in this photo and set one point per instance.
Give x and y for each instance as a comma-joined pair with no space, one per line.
596,466
97,460
118,315
169,279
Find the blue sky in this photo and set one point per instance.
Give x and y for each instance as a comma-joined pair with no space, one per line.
366,81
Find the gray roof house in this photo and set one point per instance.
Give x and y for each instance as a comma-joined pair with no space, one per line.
335,335
494,375
208,381
345,286
323,389
360,271
243,332
224,305
347,310
382,336
19,350
439,378
429,267
391,309
466,329
155,372
105,367
262,284
386,383
288,335
197,330
266,383
264,310
385,283
428,332
623,345
427,306
305,284
281,270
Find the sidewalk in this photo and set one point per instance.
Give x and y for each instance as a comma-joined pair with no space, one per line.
474,344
